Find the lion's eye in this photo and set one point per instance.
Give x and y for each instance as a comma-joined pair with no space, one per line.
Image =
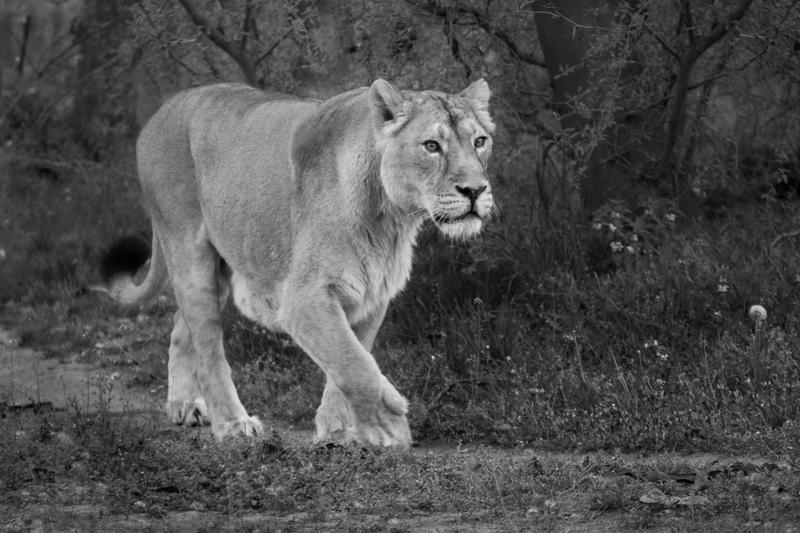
432,146
479,141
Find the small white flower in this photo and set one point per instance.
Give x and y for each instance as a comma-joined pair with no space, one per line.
597,226
722,288
635,238
671,217
629,249
757,313
616,246
612,227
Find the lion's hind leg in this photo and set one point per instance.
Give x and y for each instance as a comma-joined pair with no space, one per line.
194,267
335,420
185,405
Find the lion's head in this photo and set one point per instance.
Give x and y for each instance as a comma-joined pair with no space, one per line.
434,151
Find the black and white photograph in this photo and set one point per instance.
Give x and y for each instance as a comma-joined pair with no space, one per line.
400,266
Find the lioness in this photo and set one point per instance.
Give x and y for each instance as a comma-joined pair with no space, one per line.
307,212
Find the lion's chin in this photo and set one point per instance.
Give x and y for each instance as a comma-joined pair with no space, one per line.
461,229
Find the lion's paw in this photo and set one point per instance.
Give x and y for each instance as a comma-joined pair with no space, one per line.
386,424
249,426
335,421
188,413
389,431
342,436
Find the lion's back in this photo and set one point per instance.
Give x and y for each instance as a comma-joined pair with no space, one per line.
208,127
214,108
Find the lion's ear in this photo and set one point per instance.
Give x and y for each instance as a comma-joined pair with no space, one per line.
387,101
478,93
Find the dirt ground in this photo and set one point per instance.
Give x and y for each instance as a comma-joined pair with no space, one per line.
30,380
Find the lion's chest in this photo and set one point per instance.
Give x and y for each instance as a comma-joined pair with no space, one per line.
379,278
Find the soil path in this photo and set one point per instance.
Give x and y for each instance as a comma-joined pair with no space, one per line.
30,380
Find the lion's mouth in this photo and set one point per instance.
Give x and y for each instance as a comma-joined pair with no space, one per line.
446,219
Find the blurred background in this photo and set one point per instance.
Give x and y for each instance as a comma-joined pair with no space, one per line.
646,168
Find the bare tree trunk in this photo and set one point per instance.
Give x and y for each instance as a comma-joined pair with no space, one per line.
702,106
100,31
565,37
698,45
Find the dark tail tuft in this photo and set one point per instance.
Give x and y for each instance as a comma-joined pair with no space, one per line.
125,256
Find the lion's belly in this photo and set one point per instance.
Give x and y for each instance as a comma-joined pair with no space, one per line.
257,303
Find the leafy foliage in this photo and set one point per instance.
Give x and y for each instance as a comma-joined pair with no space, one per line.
606,304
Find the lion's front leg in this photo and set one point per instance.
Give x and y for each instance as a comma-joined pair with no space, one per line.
359,403
335,420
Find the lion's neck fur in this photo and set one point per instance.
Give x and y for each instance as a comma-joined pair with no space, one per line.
383,234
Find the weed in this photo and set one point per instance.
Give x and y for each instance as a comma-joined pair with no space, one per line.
518,339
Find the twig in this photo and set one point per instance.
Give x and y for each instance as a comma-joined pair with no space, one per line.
247,25
26,30
455,46
783,236
273,46
165,46
663,43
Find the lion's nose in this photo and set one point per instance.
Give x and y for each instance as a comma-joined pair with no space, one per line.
471,192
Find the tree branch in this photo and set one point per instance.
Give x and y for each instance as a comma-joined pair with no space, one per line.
247,25
677,109
216,36
703,83
687,12
662,42
721,28
455,46
432,7
272,47
164,45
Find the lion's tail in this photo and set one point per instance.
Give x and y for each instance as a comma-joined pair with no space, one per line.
123,260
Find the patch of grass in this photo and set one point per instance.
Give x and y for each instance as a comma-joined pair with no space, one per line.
53,228
629,331
134,465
